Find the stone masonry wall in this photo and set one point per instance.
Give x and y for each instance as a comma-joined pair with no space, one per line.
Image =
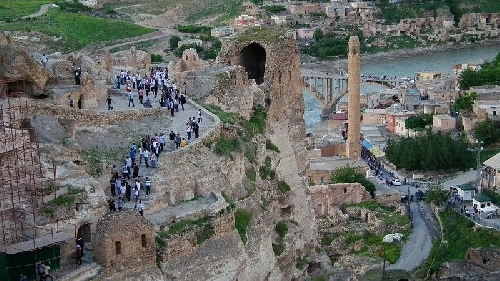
124,242
324,196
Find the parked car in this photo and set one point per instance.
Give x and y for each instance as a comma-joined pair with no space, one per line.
395,182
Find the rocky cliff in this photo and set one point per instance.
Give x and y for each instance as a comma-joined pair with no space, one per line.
264,176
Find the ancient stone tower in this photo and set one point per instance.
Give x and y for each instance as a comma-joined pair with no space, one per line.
353,145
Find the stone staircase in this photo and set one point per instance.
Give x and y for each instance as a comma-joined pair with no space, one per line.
82,273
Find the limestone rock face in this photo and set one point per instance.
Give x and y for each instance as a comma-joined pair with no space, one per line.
3,40
235,80
17,65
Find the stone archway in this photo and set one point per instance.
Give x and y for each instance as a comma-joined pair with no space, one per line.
253,58
84,232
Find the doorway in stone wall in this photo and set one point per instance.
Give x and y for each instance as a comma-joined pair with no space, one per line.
253,58
84,232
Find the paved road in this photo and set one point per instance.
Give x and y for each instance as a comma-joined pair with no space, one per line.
419,245
43,9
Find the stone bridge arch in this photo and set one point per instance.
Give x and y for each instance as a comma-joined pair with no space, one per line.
253,58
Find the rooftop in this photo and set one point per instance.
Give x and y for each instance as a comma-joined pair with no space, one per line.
334,162
493,162
482,198
466,186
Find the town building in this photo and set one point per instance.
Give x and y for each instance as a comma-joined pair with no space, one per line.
304,33
189,41
246,20
222,31
443,123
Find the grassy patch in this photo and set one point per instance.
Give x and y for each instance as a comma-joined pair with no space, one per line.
251,174
94,160
256,124
225,146
301,263
229,201
142,45
282,229
265,171
271,146
459,234
75,31
283,187
12,9
65,200
242,219
225,117
278,248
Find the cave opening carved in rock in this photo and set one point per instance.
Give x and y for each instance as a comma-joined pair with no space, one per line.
253,58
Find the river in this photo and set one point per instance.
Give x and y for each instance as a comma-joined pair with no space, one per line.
407,66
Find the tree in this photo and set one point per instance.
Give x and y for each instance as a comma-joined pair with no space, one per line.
257,2
351,175
465,102
436,194
174,41
429,152
318,34
419,121
487,131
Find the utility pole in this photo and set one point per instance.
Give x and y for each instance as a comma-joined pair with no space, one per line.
478,159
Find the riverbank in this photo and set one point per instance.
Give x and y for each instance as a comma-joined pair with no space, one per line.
329,66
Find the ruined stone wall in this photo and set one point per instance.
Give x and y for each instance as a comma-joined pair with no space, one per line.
487,258
124,242
324,196
281,88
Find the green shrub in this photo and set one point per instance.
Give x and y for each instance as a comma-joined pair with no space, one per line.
194,29
265,172
257,122
327,238
242,219
278,248
225,146
274,9
173,42
204,234
251,174
301,263
178,52
283,187
250,151
282,229
271,146
156,58
229,201
225,117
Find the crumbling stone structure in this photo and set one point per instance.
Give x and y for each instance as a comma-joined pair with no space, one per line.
325,196
480,264
124,242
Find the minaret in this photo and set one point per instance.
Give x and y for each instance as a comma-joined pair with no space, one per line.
353,144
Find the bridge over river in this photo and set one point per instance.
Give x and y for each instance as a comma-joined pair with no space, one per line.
330,88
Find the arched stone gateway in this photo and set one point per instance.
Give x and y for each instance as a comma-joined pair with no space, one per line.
253,58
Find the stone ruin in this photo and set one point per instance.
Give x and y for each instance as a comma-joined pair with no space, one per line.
480,264
124,242
325,197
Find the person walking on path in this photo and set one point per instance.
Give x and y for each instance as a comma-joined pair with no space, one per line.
71,102
44,60
78,74
147,183
131,99
109,101
78,254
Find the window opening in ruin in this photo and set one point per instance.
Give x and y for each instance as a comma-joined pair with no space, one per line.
253,58
345,189
143,240
118,247
322,180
